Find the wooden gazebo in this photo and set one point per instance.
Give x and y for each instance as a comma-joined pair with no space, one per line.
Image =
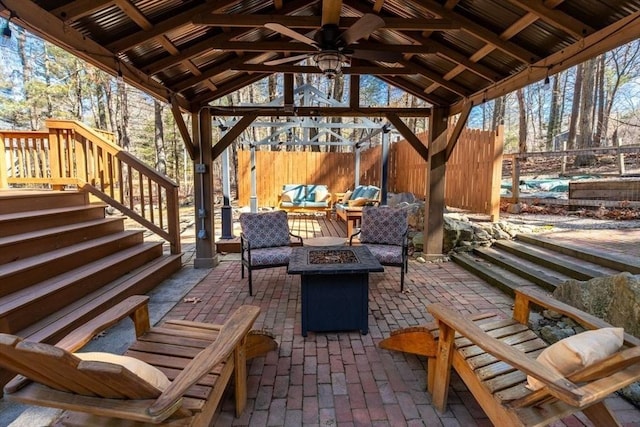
454,54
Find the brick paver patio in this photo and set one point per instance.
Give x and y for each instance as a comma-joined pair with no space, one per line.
344,379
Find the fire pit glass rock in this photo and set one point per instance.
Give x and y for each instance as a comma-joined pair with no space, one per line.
332,256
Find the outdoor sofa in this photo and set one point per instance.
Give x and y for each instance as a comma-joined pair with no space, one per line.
362,195
304,198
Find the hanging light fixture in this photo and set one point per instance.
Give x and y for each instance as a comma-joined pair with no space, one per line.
6,30
329,62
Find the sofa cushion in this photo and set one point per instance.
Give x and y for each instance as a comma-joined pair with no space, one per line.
383,225
319,193
294,192
360,201
371,192
357,192
265,230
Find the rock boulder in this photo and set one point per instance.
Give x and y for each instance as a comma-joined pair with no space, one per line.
616,299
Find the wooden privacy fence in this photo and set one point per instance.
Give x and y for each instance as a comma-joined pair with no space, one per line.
472,178
70,153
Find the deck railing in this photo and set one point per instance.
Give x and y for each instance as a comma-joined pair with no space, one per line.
70,153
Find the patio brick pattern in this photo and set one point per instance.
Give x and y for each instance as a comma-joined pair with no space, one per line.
344,379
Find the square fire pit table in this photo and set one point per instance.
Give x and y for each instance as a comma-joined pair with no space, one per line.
335,286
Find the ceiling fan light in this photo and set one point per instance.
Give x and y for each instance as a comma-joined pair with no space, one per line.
329,63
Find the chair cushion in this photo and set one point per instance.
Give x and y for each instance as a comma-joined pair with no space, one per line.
270,256
578,351
265,230
383,225
150,374
386,254
346,197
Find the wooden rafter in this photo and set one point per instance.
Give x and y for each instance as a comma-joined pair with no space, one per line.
554,17
480,32
312,69
77,9
623,31
170,24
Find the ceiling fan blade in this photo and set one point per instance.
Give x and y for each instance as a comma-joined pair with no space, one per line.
376,55
362,28
331,10
279,28
287,59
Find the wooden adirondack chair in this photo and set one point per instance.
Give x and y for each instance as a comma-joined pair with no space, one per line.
199,359
494,356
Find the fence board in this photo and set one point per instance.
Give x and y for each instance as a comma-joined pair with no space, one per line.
472,177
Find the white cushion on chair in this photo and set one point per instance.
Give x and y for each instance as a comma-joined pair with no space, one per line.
150,374
578,351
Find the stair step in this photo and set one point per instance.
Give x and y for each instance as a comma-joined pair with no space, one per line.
21,246
28,200
496,276
618,262
537,274
23,273
26,306
139,281
569,266
24,222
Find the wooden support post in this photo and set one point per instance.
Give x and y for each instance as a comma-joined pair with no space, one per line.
436,167
206,256
3,165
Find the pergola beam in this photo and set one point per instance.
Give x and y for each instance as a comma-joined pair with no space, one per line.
408,135
232,134
320,111
311,69
555,17
314,22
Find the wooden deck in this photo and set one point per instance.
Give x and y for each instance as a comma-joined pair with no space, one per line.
305,225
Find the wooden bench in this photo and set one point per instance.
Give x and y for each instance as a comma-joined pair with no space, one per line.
494,356
199,359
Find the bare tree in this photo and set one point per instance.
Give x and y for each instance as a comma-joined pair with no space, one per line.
575,107
522,133
161,158
585,137
553,125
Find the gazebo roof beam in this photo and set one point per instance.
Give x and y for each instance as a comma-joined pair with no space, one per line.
320,111
314,22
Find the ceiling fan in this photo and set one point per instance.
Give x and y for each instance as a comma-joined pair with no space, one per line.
334,48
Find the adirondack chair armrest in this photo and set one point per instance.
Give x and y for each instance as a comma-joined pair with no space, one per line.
232,334
526,297
447,318
135,306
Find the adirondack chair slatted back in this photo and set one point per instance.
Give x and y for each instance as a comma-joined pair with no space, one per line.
61,370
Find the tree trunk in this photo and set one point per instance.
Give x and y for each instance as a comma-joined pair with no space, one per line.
599,133
585,138
522,133
575,108
554,113
498,112
161,158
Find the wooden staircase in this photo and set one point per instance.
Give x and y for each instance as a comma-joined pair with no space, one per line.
535,260
62,262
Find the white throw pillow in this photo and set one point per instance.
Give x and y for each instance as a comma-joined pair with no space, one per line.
321,195
150,374
578,351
